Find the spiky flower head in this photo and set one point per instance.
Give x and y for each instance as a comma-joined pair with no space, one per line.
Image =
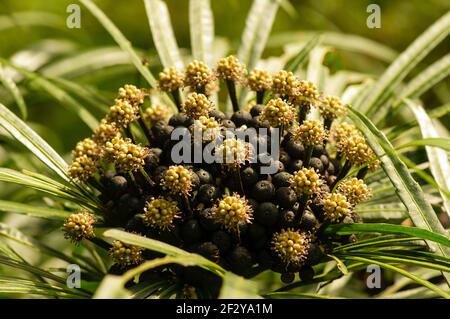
131,94
259,80
198,75
342,131
79,225
335,206
284,83
105,132
125,255
126,155
160,213
232,211
291,246
177,180
156,113
86,147
233,152
122,113
355,190
83,167
197,105
331,107
230,68
170,79
305,95
311,132
278,113
357,151
208,127
306,181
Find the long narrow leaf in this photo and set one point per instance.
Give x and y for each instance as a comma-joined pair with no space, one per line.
31,140
12,88
398,70
408,190
201,21
125,45
163,36
438,159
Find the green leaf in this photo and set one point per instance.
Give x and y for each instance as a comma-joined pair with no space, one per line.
163,36
58,94
341,41
12,88
201,22
41,184
113,286
296,61
438,159
30,19
15,285
347,229
257,28
399,69
86,62
340,264
427,78
25,135
405,273
163,248
33,210
408,190
236,287
125,45
440,142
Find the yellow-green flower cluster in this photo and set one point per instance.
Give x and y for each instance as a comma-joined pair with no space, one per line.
105,132
331,107
232,211
170,79
155,113
79,225
284,84
177,180
291,246
125,255
233,152
198,75
355,190
85,160
197,105
278,113
306,181
335,206
311,132
131,94
208,127
160,213
259,80
127,156
230,69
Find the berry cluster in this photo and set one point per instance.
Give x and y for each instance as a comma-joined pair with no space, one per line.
227,211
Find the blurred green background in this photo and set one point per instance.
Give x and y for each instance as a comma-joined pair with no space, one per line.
402,21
